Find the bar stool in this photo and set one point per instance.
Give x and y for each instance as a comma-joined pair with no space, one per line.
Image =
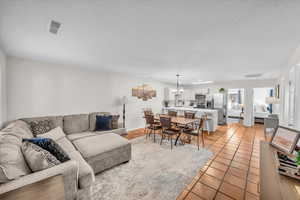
207,121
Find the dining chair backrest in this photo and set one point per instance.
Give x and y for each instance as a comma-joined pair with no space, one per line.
199,125
147,112
172,113
189,115
149,119
165,122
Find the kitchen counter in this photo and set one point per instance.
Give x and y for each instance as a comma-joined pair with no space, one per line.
212,114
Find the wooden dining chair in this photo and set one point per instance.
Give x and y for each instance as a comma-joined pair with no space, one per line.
148,112
197,131
172,113
151,125
168,129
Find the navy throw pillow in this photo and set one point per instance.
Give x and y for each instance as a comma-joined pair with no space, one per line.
50,146
103,122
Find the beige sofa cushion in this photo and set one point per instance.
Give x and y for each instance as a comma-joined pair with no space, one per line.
12,162
76,123
56,120
96,145
18,128
75,136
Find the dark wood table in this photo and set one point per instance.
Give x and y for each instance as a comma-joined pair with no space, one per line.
181,122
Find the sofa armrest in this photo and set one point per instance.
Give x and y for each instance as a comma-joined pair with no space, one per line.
69,171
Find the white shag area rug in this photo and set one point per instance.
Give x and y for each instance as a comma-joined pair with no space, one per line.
155,172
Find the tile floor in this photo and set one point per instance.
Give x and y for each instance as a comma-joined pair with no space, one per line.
233,171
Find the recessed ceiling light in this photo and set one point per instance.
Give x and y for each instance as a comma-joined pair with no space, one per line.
253,75
54,27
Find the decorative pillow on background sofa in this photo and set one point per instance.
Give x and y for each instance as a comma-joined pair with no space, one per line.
115,121
51,146
103,122
92,119
37,158
40,127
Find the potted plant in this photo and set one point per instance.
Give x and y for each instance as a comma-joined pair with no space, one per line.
222,90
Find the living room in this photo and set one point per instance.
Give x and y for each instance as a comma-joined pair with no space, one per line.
149,100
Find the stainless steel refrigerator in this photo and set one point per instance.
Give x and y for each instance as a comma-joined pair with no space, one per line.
220,104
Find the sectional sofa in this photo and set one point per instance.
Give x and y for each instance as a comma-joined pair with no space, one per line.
90,152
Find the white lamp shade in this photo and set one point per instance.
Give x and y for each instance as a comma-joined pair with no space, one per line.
124,100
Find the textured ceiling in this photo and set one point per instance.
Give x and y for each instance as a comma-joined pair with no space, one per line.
200,39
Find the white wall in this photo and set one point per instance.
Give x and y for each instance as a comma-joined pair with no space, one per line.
39,89
2,87
290,92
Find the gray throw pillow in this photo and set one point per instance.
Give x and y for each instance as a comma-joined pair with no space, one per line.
12,162
37,158
41,127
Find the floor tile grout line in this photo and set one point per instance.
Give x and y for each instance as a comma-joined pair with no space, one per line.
245,191
222,180
190,190
230,164
250,164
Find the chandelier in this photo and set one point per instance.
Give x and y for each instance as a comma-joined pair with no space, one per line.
144,92
178,90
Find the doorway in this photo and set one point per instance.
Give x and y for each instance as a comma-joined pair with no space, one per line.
235,105
261,103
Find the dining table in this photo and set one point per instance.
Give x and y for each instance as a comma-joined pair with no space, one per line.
179,121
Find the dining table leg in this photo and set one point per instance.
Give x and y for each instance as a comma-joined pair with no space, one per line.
178,136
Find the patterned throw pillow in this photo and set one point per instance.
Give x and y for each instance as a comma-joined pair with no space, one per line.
51,146
40,127
115,121
37,158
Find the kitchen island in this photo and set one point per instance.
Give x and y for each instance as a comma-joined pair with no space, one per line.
212,124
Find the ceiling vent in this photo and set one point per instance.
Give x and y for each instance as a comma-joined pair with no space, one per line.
253,75
54,27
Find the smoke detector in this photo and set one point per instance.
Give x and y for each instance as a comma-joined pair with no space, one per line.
54,27
253,75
